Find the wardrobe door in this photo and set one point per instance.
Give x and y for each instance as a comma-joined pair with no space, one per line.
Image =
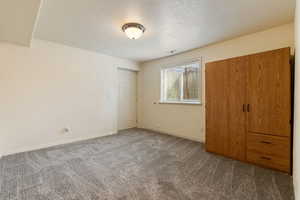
269,93
237,106
216,87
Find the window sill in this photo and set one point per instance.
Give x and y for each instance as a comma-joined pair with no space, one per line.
179,102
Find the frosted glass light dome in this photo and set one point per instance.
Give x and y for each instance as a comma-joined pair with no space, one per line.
133,30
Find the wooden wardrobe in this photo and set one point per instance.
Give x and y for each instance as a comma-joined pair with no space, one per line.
248,108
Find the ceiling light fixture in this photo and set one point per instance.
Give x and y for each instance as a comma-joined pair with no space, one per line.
133,30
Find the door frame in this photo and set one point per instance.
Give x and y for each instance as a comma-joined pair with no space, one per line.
118,110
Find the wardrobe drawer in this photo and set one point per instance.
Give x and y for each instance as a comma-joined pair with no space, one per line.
269,161
269,145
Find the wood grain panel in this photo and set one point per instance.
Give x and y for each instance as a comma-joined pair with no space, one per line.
269,93
236,106
269,145
216,87
250,94
269,161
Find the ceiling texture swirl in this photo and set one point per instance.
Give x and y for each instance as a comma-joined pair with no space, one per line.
179,25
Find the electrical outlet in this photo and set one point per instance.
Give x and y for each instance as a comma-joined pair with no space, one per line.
66,130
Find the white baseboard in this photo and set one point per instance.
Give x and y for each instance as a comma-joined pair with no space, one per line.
176,135
127,128
66,141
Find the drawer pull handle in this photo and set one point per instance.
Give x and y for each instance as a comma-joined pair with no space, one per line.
265,158
265,142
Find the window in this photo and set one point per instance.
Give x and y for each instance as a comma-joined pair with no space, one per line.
181,84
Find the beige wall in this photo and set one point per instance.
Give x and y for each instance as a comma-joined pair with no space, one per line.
48,87
18,20
188,120
296,154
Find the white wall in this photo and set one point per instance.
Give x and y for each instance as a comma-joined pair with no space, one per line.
296,167
48,87
188,120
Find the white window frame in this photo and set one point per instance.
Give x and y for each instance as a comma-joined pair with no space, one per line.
163,98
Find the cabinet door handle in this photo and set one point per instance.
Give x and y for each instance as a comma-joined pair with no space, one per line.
265,142
265,158
248,107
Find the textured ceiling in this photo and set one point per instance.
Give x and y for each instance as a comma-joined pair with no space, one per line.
178,25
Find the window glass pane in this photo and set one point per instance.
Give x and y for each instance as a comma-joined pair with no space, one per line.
181,83
191,82
173,79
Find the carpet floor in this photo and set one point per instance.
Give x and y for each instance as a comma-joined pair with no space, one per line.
136,164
